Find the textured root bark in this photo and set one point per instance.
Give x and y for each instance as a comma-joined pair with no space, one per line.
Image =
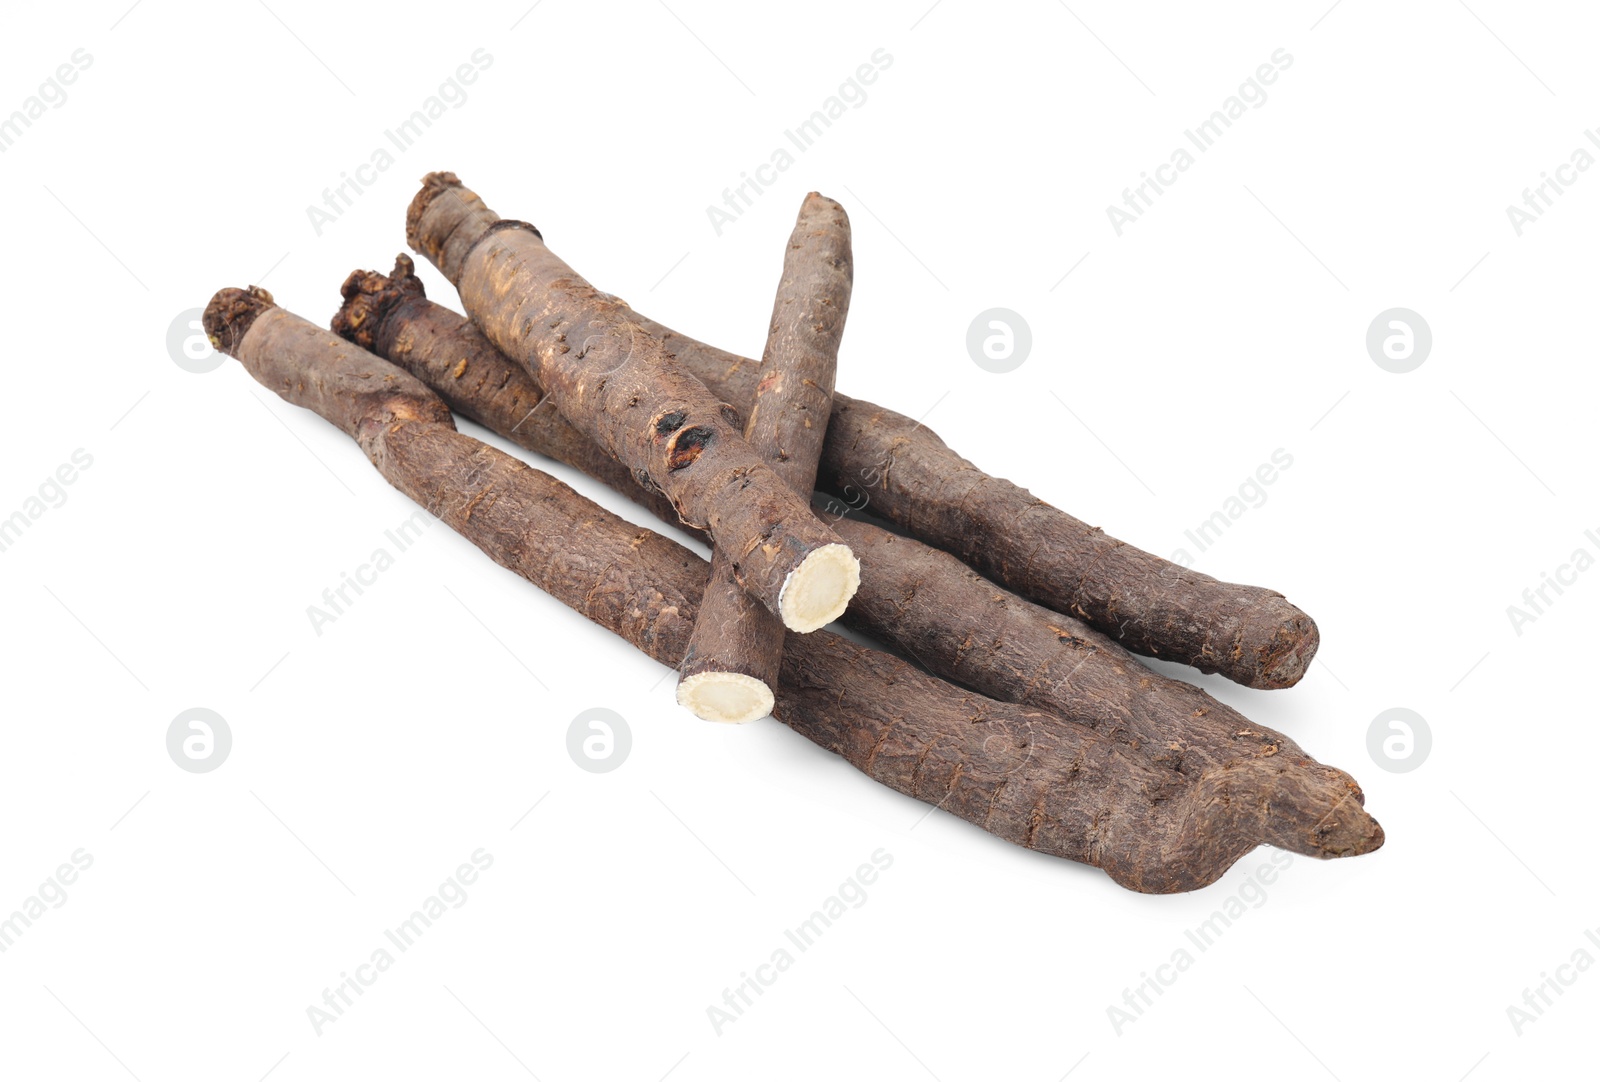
615,382
931,607
736,649
1059,788
877,458
360,394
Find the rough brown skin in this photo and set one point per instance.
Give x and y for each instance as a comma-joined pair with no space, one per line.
360,394
877,458
787,421
615,382
1052,786
391,316
934,609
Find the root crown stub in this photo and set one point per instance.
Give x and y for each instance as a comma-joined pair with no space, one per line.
432,185
369,297
729,697
230,314
817,592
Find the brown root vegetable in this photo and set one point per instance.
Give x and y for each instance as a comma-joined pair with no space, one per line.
879,459
389,315
615,382
933,608
732,662
1022,775
359,398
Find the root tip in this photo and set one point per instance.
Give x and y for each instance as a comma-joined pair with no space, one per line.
432,185
231,313
1347,831
369,296
1286,658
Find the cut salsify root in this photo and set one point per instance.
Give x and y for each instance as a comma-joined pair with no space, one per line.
735,652
1019,773
933,608
816,592
897,468
726,696
616,383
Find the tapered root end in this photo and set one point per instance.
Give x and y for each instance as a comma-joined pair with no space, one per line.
432,185
817,592
230,314
728,697
816,205
1329,819
370,296
1290,802
1346,831
1286,655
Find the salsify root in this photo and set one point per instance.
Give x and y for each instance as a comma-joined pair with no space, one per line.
925,603
615,382
733,657
933,608
1056,787
901,471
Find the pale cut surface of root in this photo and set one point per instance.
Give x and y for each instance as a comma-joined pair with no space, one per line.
729,697
817,592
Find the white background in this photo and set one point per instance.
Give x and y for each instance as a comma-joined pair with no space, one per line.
369,761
